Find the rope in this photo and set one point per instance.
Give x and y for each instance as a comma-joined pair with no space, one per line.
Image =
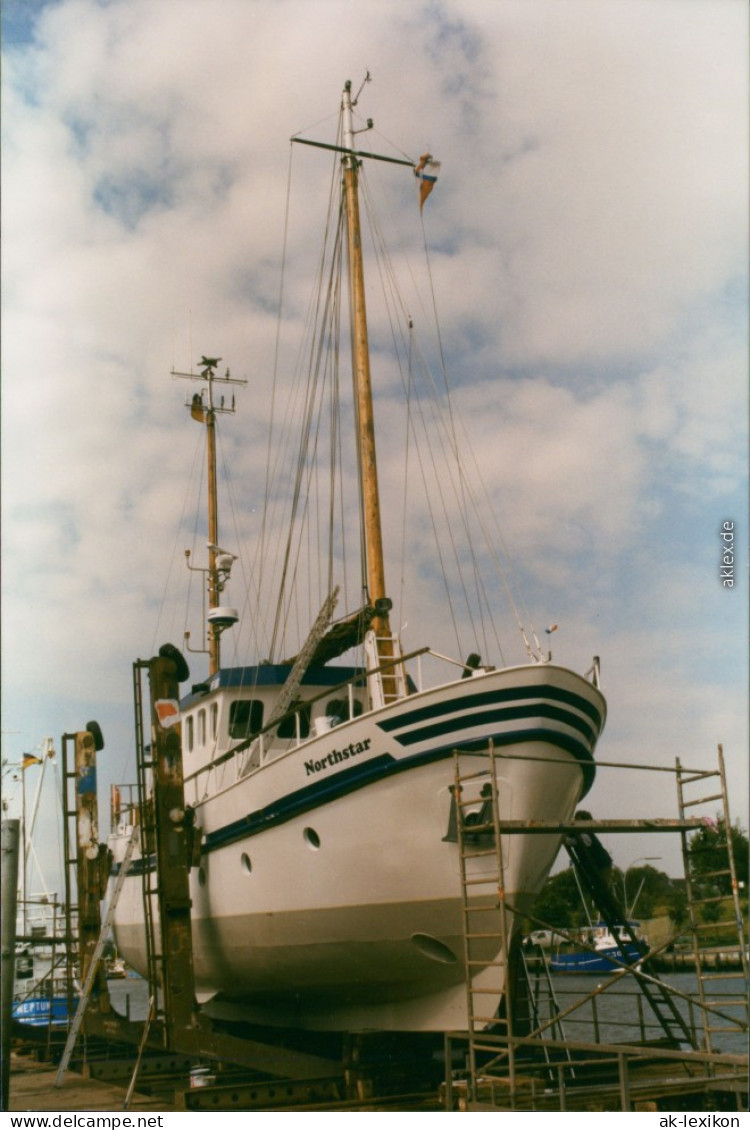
305,489
323,313
394,301
189,495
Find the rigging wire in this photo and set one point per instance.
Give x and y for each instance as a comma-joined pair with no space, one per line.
502,573
189,494
321,323
404,497
314,125
449,399
442,469
446,477
392,295
465,493
274,383
196,523
393,145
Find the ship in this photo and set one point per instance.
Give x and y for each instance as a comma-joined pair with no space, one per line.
325,883
607,952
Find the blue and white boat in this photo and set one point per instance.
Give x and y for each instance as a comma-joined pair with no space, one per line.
44,1012
40,992
607,955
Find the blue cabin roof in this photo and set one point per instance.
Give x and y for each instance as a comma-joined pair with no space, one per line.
268,675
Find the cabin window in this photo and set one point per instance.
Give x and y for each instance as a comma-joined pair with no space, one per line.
288,727
214,720
201,727
339,711
245,717
189,739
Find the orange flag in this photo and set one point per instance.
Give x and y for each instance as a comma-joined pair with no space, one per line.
426,171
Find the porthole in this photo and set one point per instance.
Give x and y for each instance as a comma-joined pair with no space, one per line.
245,863
434,949
312,838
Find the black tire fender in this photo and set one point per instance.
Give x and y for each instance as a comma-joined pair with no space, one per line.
95,730
169,651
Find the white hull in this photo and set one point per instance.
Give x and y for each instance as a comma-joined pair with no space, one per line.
328,893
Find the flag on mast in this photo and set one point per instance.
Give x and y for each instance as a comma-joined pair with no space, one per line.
30,759
426,171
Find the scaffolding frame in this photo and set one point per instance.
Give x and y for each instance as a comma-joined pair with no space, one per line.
541,1068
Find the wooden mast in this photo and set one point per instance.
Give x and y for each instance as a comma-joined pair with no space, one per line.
214,633
204,411
375,570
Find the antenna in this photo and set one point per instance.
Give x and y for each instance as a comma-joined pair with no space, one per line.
205,400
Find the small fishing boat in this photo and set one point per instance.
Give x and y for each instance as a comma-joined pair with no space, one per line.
325,879
41,993
45,1011
44,994
607,955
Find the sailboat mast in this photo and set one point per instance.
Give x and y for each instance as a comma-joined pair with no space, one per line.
214,636
363,388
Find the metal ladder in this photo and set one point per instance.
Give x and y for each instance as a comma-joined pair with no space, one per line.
541,994
660,1000
485,925
722,1011
95,959
70,841
147,818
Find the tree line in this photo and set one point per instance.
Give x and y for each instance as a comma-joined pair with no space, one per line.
645,891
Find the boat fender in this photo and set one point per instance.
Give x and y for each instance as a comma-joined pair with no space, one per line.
193,837
95,730
104,862
169,651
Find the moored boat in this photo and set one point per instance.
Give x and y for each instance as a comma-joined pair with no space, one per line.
607,954
43,996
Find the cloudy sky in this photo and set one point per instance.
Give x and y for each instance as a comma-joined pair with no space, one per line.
588,247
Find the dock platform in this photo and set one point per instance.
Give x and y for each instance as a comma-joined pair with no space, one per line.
32,1088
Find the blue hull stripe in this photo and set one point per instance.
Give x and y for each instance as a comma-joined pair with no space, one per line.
492,698
356,777
596,963
494,717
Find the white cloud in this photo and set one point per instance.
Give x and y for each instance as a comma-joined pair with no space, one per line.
588,254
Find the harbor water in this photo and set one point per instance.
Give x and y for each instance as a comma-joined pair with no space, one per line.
620,1014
